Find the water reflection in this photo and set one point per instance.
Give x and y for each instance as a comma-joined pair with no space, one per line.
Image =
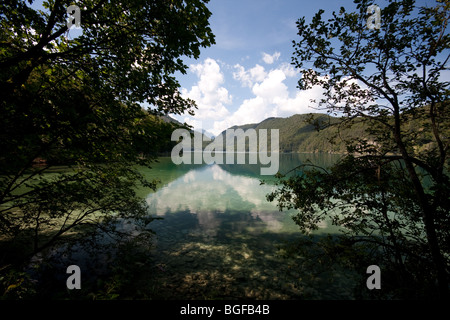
228,196
211,192
220,237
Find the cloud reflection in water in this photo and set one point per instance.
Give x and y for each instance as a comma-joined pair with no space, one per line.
211,192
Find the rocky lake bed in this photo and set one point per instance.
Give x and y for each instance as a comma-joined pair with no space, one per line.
188,264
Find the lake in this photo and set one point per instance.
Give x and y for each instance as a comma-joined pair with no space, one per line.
221,239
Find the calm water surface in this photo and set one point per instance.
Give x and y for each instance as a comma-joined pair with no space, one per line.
220,237
224,201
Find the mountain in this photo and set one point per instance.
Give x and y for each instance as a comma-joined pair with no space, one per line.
299,133
169,119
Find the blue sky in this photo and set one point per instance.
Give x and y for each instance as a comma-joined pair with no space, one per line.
247,76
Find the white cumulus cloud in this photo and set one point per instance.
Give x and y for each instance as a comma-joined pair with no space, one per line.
272,86
270,59
272,97
209,94
271,94
249,77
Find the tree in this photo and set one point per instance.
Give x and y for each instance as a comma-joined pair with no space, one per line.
78,102
387,190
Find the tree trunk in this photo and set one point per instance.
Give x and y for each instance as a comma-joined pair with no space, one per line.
428,219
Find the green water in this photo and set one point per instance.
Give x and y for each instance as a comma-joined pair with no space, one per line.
220,237
221,200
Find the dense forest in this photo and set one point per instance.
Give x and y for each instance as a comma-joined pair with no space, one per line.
315,132
95,104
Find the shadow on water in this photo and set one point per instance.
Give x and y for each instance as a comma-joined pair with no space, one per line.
221,239
240,261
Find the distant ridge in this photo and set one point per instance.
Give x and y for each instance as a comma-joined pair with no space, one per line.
298,133
169,119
